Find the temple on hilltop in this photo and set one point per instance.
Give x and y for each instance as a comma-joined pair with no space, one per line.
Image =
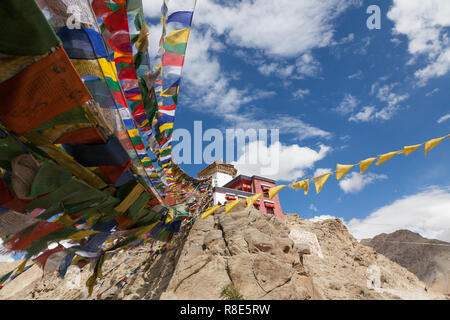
229,186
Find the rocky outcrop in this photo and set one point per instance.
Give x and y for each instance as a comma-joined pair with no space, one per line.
429,259
248,249
256,254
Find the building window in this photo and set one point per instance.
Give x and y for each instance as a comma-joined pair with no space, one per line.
265,190
230,197
270,206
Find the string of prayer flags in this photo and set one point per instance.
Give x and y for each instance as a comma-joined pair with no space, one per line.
176,21
341,171
109,109
432,143
320,181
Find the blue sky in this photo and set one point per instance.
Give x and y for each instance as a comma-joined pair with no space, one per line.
338,92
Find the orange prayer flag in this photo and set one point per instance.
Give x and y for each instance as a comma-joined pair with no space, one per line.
40,92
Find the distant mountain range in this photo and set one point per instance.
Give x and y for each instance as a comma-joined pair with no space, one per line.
428,259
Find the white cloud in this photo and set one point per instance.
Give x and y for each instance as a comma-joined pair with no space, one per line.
384,94
321,171
208,88
355,182
427,213
432,92
345,40
278,27
347,105
444,118
323,217
312,207
152,8
301,93
289,161
357,75
364,115
425,24
305,66
284,123
363,49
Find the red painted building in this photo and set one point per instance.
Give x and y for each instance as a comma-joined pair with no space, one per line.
254,185
228,186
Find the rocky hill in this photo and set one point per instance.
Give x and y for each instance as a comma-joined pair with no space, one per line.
245,254
429,259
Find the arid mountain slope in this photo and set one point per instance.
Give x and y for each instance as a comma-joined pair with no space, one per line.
429,259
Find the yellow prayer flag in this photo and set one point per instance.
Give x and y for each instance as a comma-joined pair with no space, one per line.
178,36
64,219
273,191
169,216
304,184
82,234
320,181
385,157
109,68
432,143
251,200
210,211
342,169
21,266
130,199
133,133
230,205
92,220
165,126
363,165
410,149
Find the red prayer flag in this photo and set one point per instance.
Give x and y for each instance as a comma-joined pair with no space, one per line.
21,241
42,259
172,59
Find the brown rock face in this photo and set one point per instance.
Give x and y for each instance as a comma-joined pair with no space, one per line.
261,256
428,259
248,249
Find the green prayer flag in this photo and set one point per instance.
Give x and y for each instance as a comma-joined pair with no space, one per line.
49,177
25,30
